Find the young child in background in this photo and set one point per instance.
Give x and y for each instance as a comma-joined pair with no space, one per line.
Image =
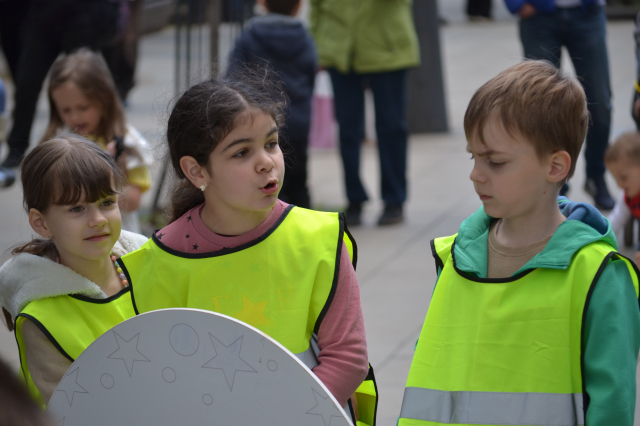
83,99
281,39
623,161
232,247
534,317
62,290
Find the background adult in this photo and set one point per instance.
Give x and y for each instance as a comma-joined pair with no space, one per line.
369,43
580,26
50,28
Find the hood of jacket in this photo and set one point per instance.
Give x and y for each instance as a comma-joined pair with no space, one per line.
26,277
584,225
282,37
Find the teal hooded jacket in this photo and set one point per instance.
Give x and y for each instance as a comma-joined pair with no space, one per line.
612,329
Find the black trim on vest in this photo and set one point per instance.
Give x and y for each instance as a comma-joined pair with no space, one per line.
224,251
354,261
336,274
371,376
635,269
434,252
486,280
585,395
100,301
130,287
46,333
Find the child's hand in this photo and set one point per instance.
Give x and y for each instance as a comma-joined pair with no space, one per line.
354,405
111,148
637,257
527,11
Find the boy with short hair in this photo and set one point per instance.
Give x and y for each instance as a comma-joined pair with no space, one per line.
281,39
623,161
534,319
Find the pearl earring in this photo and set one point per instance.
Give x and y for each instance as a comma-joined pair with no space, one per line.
203,187
48,237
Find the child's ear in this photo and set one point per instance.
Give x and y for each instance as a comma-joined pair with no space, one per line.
37,222
559,165
196,173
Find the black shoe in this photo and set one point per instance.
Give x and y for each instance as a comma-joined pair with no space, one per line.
7,177
353,213
597,188
392,214
564,190
12,161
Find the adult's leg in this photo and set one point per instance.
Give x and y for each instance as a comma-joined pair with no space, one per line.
294,188
390,97
541,37
586,43
12,19
479,8
348,96
39,50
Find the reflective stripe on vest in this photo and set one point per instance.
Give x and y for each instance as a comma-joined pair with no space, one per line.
504,351
492,408
71,323
281,283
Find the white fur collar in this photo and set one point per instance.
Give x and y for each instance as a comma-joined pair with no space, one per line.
25,277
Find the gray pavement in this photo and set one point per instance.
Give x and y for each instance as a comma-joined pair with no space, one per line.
395,269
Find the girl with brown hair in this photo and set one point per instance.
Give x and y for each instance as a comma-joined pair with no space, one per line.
63,289
83,99
232,247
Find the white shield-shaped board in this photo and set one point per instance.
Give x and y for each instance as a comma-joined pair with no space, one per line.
190,367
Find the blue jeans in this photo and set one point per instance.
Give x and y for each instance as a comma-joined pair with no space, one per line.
582,30
390,97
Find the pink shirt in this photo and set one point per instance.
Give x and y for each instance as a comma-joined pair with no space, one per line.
343,359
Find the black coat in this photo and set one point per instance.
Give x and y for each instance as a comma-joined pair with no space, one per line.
287,46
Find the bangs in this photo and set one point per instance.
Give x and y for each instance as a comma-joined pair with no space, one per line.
83,176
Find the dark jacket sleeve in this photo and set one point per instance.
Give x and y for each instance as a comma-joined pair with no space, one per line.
611,340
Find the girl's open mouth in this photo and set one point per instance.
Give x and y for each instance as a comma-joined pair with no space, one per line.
270,188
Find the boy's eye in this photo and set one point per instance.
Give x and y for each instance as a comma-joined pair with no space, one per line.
494,164
76,209
107,202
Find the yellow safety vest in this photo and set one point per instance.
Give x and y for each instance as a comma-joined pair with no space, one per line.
504,351
71,322
281,283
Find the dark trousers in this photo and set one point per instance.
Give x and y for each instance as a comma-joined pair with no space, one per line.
294,188
390,97
122,55
49,31
583,32
12,16
479,8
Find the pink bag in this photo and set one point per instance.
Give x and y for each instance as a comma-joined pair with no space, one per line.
322,133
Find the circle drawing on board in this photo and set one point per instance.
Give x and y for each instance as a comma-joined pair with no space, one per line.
184,339
107,381
272,365
207,399
169,375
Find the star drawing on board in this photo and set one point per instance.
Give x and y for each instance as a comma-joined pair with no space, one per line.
60,422
128,352
228,359
324,407
70,386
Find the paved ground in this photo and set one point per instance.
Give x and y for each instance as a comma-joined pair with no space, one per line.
395,269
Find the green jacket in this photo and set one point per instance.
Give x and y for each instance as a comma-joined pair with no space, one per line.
365,36
611,338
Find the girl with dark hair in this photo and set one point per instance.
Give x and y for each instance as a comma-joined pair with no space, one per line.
83,99
62,290
232,247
